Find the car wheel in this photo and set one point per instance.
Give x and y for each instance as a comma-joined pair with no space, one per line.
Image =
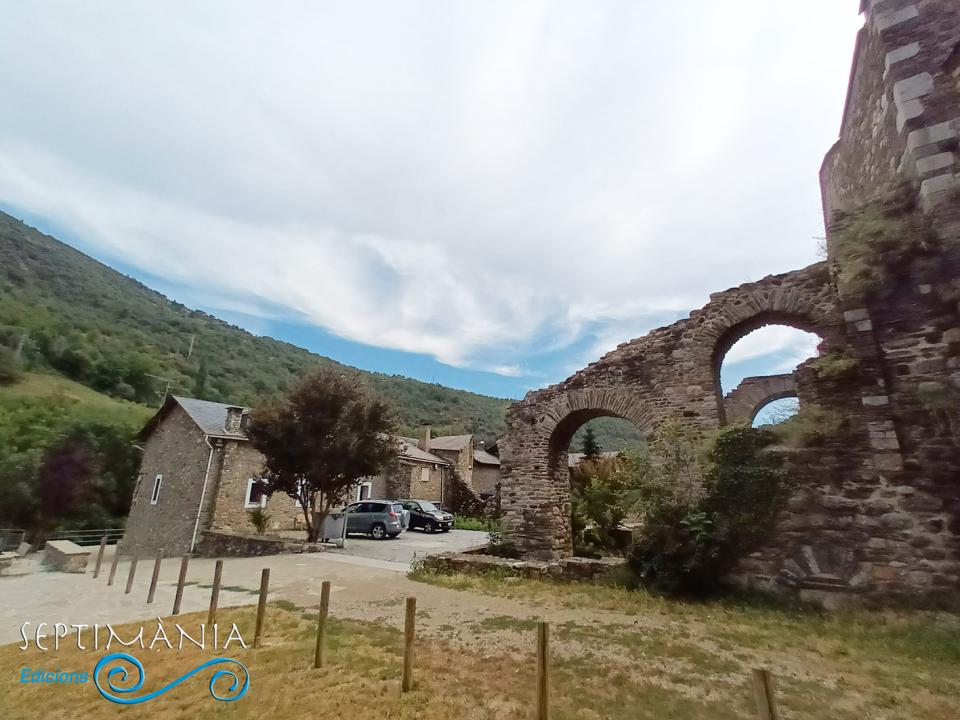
431,527
378,531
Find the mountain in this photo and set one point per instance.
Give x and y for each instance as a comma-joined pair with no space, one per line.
109,332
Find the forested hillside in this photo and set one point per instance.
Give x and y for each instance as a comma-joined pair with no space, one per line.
70,314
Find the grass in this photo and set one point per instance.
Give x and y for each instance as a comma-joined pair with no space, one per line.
482,524
845,665
39,385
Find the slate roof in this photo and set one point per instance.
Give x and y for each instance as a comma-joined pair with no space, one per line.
210,417
450,442
412,452
485,458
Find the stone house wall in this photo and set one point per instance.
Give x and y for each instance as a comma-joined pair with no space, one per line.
239,464
419,481
486,479
462,460
176,449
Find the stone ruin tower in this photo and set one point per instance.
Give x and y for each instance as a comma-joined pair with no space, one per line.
877,508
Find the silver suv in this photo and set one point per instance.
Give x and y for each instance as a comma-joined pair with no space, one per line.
379,519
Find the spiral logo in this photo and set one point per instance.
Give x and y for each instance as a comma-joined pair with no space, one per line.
117,677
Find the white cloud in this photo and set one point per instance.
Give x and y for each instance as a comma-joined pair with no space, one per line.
476,181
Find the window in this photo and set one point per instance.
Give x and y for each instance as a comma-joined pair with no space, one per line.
363,490
158,481
256,497
425,474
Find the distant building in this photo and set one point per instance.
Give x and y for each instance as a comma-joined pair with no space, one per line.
198,473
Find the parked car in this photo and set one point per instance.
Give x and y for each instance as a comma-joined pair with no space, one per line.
379,519
427,516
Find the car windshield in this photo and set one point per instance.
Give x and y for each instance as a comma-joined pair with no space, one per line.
429,507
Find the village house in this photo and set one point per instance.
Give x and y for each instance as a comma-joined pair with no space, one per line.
199,471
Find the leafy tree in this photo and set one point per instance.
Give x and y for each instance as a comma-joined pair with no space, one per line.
702,512
599,503
200,383
320,440
591,448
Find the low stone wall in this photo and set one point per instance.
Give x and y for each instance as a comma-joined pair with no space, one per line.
223,544
573,568
66,556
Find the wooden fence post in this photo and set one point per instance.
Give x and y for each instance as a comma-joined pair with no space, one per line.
763,694
261,606
103,546
543,670
133,571
155,577
215,593
178,598
409,628
322,624
113,564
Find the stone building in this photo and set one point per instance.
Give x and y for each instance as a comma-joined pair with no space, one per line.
486,475
198,473
877,505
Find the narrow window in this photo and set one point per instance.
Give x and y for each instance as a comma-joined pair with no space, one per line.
158,481
256,497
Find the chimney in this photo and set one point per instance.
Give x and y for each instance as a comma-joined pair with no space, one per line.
424,443
234,420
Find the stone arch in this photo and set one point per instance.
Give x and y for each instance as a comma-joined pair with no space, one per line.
535,487
803,299
742,404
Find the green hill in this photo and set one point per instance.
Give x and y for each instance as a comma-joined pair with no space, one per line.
106,331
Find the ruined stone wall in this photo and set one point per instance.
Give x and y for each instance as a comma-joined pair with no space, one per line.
742,404
877,505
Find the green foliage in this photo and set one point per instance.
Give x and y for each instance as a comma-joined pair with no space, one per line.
481,524
600,504
872,244
590,448
200,382
319,440
68,462
612,434
460,499
260,519
835,365
9,367
811,426
700,515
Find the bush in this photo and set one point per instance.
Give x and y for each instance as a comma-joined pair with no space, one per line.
599,503
811,426
690,539
473,523
835,365
260,519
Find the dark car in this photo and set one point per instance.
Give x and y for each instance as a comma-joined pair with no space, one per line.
378,518
427,516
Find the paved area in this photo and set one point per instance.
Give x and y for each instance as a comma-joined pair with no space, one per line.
411,544
365,574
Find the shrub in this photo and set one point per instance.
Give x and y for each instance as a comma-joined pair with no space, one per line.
260,519
869,245
690,540
599,503
835,365
811,426
473,523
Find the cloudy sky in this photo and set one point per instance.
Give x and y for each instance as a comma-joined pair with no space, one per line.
485,194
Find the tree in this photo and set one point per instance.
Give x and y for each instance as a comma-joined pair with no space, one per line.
9,367
320,440
591,448
200,383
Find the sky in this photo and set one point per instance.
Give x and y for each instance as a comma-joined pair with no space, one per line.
484,194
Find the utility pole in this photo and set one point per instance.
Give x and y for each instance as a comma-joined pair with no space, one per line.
166,390
23,339
190,351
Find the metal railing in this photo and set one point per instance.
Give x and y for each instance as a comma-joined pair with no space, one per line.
10,538
88,537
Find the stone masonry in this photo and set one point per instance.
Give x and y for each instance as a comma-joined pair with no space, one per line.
877,508
742,404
